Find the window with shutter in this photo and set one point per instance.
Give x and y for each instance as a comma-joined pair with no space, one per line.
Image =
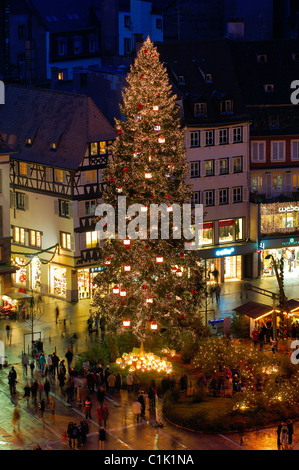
277,151
258,151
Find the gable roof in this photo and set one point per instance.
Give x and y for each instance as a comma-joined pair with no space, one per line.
46,116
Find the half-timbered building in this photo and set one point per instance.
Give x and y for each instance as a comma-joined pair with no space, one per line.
61,143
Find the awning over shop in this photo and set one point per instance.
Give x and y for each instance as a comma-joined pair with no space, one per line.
17,296
256,310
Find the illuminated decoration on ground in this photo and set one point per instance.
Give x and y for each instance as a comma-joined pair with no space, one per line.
141,361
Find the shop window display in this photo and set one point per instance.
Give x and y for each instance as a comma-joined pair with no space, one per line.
58,281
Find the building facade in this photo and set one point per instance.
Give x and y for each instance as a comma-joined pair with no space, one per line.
55,184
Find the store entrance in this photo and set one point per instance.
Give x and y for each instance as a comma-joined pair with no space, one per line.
290,258
233,268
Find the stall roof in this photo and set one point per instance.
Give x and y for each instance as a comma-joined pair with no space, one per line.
253,309
18,295
293,304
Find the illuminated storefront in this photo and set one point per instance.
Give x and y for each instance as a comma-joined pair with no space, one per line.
86,284
20,277
279,237
35,274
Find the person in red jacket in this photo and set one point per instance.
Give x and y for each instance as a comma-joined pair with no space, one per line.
255,336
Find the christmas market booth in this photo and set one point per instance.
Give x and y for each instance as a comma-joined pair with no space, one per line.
260,314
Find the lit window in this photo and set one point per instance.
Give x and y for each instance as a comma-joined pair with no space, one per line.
59,176
91,239
35,238
65,240
19,235
94,148
209,166
91,176
238,164
60,75
257,183
103,148
23,168
223,166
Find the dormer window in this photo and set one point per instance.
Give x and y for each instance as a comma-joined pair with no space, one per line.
208,78
77,45
269,88
181,80
55,142
262,58
226,107
200,109
31,136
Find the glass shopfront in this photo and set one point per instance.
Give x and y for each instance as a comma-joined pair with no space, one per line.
279,218
290,257
230,230
86,284
233,267
21,274
35,274
58,280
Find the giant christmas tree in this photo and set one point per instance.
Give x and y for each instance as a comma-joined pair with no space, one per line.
150,282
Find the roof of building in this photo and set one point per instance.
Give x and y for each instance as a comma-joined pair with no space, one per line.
45,116
63,16
203,71
253,310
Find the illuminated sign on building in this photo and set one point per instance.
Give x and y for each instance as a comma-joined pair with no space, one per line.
225,252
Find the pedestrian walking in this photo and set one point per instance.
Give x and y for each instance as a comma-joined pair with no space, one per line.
42,407
52,405
16,418
34,387
32,367
12,379
87,408
61,381
111,380
40,389
57,313
55,362
42,362
47,388
118,382
8,333
217,292
102,438
69,358
25,362
101,395
27,392
130,382
136,408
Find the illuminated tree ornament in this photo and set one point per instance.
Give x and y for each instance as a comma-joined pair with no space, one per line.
115,290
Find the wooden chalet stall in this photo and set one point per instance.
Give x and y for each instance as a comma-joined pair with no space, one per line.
259,314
